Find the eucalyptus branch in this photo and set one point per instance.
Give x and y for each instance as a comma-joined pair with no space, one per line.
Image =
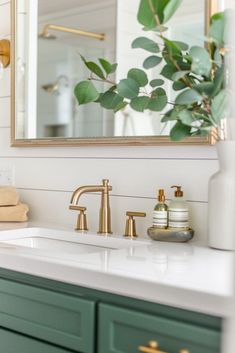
156,17
92,78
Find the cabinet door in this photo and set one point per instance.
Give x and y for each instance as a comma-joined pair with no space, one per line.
11,342
56,318
125,331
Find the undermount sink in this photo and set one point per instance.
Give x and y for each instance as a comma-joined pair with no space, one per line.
60,244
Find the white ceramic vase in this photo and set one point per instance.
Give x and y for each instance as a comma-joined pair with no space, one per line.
221,207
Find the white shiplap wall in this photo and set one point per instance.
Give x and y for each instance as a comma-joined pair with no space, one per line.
46,177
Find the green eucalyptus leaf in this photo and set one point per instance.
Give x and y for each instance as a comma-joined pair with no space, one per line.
180,131
178,86
139,76
120,106
85,92
201,62
128,88
184,66
173,113
140,103
217,28
110,100
218,58
114,68
171,47
170,9
188,97
156,82
107,66
183,46
205,88
94,68
187,117
220,106
169,116
168,71
179,74
146,44
151,61
148,10
218,81
99,98
158,100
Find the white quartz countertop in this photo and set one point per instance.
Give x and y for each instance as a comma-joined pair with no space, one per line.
185,275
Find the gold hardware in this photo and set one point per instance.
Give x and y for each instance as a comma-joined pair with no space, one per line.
82,222
5,52
130,230
45,33
105,213
152,347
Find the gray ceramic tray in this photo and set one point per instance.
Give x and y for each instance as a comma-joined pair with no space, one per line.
171,235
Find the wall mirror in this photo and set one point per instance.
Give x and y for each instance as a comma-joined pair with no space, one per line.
48,38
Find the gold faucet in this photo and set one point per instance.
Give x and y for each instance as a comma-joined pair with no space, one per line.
105,213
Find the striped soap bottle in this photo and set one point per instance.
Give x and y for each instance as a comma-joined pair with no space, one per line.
178,212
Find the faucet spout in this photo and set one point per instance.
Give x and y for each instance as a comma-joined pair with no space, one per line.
105,212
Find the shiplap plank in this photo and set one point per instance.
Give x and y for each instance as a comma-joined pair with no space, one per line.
5,112
141,152
134,177
5,90
5,23
52,207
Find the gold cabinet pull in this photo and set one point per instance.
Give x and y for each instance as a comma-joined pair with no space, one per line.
152,347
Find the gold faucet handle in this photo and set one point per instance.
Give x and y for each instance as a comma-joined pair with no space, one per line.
82,221
130,230
135,214
77,208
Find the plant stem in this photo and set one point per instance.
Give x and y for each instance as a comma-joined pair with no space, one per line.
92,78
156,17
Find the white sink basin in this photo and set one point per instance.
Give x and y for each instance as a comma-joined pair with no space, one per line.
60,244
54,245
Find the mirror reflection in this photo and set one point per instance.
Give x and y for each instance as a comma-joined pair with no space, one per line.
51,37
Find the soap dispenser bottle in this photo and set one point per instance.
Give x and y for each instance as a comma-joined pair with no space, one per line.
178,210
160,213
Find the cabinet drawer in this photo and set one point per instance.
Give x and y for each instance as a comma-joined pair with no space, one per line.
57,318
14,343
123,331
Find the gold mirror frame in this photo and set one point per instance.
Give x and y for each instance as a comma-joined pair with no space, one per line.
211,6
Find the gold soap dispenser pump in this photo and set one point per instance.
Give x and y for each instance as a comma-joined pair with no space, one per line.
160,212
178,210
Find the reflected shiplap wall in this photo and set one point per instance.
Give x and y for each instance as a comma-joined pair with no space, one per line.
46,177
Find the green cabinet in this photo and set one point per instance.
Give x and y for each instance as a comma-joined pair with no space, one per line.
124,331
11,342
57,318
43,316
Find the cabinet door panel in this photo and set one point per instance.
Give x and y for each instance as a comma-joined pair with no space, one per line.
57,318
123,331
11,342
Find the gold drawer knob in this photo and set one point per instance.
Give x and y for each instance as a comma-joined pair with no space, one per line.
152,347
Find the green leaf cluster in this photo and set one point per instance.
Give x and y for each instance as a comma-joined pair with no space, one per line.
196,73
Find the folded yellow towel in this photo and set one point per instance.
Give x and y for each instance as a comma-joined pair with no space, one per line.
8,196
16,213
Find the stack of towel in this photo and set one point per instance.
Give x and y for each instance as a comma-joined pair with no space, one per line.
11,209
